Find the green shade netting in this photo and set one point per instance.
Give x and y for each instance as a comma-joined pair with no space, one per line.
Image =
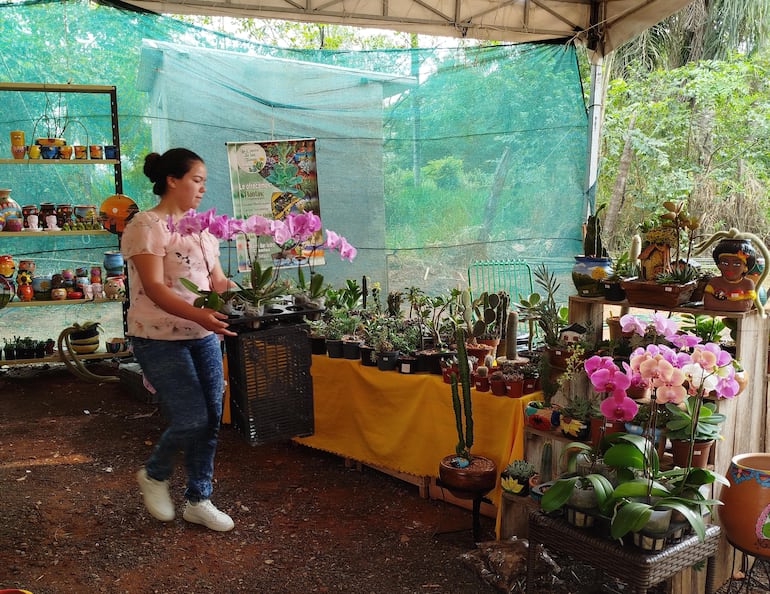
427,158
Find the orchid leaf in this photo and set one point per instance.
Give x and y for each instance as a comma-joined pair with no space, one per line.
558,493
630,517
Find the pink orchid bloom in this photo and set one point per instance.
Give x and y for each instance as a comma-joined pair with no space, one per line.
652,367
727,387
630,323
188,224
220,227
281,232
332,239
664,326
723,358
303,225
704,357
686,340
347,251
596,362
256,224
206,217
669,385
618,409
610,380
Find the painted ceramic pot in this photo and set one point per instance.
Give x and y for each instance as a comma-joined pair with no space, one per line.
588,274
113,263
745,510
8,206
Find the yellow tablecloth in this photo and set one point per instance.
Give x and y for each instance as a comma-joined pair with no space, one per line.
405,422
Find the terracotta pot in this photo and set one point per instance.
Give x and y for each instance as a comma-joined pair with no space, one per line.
596,424
475,480
745,513
498,387
700,454
514,388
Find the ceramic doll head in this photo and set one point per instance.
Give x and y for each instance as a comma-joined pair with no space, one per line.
734,257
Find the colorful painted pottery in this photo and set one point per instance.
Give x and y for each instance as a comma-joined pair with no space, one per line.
49,152
8,206
588,274
745,510
46,210
7,266
25,292
85,213
116,211
96,274
6,292
113,263
13,224
41,284
26,211
63,214
58,294
115,288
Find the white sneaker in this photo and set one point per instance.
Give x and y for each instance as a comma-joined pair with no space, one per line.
204,512
156,497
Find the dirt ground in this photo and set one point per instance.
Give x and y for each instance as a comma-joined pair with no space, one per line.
73,520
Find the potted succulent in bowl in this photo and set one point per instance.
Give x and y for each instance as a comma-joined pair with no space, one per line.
518,477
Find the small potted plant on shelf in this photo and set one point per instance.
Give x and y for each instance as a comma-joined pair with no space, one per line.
692,437
517,477
667,278
593,265
624,267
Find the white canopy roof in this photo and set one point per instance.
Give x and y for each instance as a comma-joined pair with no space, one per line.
601,25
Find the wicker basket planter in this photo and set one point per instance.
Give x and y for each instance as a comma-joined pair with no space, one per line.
271,390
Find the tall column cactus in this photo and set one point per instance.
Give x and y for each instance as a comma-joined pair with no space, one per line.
461,403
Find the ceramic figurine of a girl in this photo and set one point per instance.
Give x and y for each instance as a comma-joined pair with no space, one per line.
732,290
736,288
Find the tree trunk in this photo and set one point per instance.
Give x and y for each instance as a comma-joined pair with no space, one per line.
619,188
493,199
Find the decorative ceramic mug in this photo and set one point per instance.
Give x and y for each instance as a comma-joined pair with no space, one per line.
81,151
96,151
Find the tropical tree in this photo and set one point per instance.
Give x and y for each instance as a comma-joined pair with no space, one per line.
699,133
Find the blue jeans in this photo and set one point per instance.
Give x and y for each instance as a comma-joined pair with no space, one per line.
189,380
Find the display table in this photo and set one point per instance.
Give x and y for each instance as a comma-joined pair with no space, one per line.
404,422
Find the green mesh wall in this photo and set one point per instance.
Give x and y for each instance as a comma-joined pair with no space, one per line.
427,158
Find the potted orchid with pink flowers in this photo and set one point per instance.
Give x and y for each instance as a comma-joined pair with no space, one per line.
261,284
680,373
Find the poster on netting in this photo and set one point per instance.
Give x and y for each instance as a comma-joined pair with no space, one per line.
274,178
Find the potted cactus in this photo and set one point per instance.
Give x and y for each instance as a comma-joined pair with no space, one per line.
466,476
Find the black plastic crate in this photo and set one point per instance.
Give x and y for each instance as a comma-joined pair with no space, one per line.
271,389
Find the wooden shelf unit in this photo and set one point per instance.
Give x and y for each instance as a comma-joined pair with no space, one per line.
747,425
